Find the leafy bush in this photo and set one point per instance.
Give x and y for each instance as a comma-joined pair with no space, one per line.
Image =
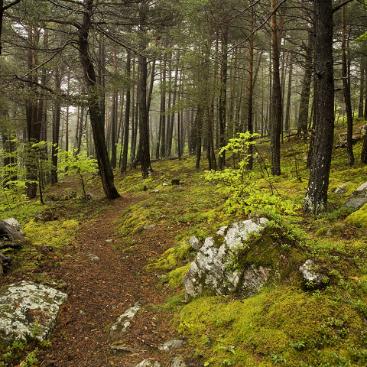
71,163
241,185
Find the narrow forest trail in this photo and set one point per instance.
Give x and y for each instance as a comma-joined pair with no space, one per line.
102,282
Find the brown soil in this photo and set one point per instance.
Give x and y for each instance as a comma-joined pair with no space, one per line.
100,291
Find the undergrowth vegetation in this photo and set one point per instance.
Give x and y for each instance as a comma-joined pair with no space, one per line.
285,324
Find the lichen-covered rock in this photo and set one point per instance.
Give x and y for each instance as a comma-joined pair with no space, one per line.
14,223
123,322
312,276
358,198
212,270
254,278
10,231
195,243
28,310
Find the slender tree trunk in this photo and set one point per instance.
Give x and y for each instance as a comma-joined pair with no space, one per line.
289,96
114,118
346,89
250,103
361,86
276,114
162,116
144,150
95,111
172,113
316,196
198,135
127,114
306,89
56,128
223,96
67,114
33,117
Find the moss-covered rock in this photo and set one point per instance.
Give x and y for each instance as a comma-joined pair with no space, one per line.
359,217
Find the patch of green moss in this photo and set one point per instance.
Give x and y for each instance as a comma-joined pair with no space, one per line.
175,277
172,258
55,233
279,326
358,218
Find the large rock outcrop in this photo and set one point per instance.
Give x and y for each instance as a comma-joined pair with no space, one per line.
358,198
214,271
11,239
28,310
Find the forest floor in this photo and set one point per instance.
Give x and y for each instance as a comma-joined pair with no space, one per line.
107,256
99,290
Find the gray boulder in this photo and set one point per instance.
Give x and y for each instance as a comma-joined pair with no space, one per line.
10,231
11,238
28,310
195,243
358,198
212,270
14,223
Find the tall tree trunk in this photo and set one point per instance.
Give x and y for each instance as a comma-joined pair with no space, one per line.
33,116
162,116
95,111
363,71
223,95
346,89
276,115
114,116
67,114
316,196
56,127
172,113
144,150
198,125
289,96
250,102
306,89
114,121
127,114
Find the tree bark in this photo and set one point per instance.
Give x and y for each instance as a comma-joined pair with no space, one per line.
223,95
144,150
56,128
306,89
316,196
127,114
276,114
95,111
361,86
346,89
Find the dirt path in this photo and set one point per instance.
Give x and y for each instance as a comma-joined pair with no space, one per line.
100,289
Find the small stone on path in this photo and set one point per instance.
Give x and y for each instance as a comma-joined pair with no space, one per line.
148,363
171,344
178,362
123,322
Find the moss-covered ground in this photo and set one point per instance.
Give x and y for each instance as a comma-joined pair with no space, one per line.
283,325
